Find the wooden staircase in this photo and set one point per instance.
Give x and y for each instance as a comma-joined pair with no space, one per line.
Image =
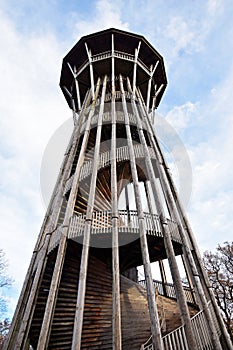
97,322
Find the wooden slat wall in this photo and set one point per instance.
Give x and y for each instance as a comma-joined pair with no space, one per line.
63,320
97,325
41,300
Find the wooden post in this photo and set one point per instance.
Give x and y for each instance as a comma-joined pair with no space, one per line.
163,276
185,245
78,322
38,262
135,66
116,306
154,319
78,94
149,85
113,66
161,265
127,205
51,301
181,299
91,71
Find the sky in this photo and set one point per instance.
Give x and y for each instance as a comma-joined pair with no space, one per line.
195,39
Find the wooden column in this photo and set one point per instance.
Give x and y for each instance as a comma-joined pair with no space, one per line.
154,319
135,66
149,85
163,276
161,265
127,204
173,210
116,306
91,71
39,256
189,278
51,301
181,299
77,91
78,322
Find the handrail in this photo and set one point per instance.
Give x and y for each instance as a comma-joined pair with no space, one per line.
55,238
122,153
177,339
121,55
128,223
107,118
168,290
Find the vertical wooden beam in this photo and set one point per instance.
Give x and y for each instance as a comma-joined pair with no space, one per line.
190,278
113,66
154,318
126,198
163,276
78,93
127,205
181,299
74,111
149,85
48,226
91,71
201,270
116,306
51,301
172,208
78,322
135,66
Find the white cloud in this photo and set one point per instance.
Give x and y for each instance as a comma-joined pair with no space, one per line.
214,6
184,34
212,164
31,107
181,116
107,15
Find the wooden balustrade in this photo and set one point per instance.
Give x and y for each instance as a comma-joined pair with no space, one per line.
55,238
177,340
107,117
128,223
168,290
122,154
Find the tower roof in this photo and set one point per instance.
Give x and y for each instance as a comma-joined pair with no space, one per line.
76,62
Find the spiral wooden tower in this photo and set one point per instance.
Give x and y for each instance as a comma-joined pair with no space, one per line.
114,208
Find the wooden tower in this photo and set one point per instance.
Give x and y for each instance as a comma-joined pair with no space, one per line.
114,208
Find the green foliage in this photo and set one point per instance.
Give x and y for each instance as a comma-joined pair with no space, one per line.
219,266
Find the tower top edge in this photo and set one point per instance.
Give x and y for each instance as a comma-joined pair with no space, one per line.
98,48
96,37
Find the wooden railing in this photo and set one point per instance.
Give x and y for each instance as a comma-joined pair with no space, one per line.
121,55
107,117
168,290
55,239
128,223
122,154
177,338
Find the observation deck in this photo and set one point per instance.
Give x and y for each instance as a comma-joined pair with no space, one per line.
94,53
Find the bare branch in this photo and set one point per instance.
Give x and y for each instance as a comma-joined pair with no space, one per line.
219,267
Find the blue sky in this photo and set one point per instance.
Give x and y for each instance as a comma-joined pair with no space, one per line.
195,39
